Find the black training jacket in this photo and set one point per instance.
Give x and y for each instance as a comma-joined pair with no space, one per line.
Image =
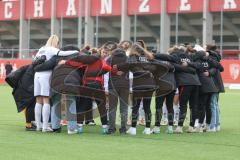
166,83
178,68
186,78
22,82
216,72
208,85
168,61
144,72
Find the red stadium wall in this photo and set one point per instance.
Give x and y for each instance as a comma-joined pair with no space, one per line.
9,10
15,63
230,75
184,6
41,9
70,10
143,7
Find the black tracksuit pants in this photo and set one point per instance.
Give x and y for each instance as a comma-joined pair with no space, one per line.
188,94
159,104
95,92
146,97
204,107
88,114
84,110
29,113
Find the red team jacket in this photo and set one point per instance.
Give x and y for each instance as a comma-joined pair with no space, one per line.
98,65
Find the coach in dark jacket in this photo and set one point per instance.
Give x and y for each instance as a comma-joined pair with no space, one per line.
8,68
22,82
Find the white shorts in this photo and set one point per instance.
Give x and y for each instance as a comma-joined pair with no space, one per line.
42,84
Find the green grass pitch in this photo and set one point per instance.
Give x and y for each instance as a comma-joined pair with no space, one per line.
16,143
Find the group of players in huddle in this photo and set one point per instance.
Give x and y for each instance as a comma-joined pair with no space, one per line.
129,77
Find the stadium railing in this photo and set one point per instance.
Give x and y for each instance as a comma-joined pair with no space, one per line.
13,53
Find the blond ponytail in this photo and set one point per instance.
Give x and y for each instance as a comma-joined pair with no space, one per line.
53,41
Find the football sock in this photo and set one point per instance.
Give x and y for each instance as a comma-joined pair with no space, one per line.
38,114
46,115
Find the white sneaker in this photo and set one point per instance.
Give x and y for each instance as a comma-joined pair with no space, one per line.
104,129
178,130
80,125
70,132
156,130
39,129
191,130
211,130
47,129
218,129
196,124
91,124
169,130
132,131
147,131
104,126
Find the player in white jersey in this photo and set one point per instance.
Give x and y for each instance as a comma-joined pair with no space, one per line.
42,83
